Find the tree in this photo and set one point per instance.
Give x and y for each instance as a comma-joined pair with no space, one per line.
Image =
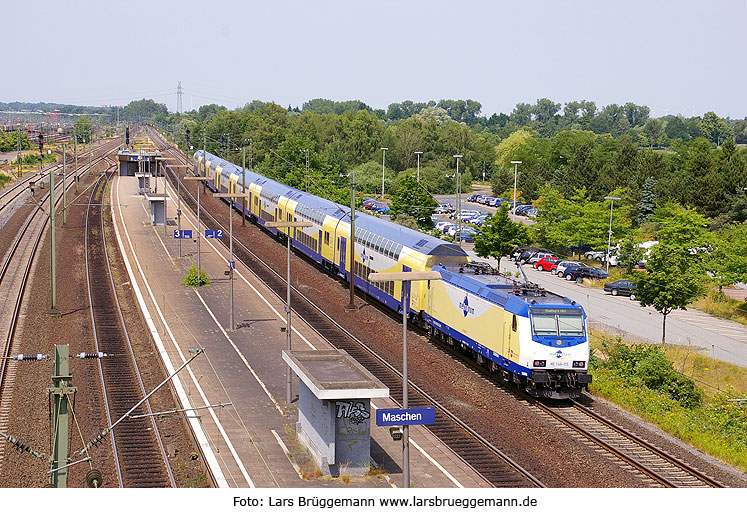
499,234
715,128
647,205
676,265
729,257
83,129
413,200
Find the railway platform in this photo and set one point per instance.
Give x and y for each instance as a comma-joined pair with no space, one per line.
251,442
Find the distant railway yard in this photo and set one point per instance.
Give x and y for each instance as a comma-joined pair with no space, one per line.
173,318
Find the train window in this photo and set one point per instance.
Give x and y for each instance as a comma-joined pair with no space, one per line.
571,325
326,238
514,323
544,325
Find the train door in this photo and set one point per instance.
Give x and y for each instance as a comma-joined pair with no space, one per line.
343,254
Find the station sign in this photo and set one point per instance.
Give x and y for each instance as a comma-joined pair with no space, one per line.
413,416
213,233
184,233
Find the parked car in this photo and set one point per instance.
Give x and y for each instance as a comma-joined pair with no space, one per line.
595,255
516,252
444,208
381,208
576,273
560,267
536,257
546,263
528,253
522,209
623,287
442,225
464,214
452,230
466,236
473,197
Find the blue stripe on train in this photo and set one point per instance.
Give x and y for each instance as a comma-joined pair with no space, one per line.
477,347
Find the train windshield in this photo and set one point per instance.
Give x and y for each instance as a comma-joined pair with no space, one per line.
557,322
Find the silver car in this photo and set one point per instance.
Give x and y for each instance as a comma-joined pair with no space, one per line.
560,269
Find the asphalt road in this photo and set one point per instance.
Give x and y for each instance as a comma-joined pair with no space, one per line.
724,340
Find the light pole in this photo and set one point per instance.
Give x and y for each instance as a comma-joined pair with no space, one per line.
203,179
351,303
307,167
231,262
418,153
289,224
516,172
609,236
406,278
383,169
458,177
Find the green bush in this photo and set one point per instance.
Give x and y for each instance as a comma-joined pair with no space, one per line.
191,279
648,365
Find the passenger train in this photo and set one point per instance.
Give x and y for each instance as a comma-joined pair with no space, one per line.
533,338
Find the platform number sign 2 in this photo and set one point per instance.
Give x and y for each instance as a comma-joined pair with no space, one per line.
213,233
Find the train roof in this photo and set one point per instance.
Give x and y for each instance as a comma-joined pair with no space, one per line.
411,238
512,294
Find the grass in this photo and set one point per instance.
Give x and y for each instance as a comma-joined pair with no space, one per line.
4,179
720,305
705,418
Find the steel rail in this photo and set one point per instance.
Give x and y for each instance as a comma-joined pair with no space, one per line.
128,441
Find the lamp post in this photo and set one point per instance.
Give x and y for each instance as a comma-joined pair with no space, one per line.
203,179
383,169
458,177
289,224
351,303
609,236
307,167
406,278
418,153
231,263
516,172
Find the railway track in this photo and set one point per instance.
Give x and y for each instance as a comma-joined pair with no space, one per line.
661,467
487,459
14,278
139,453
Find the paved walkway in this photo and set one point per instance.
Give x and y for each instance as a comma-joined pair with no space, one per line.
248,442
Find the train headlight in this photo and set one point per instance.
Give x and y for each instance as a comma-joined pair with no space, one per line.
579,363
540,363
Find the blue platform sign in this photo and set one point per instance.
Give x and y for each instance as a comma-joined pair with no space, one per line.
184,233
213,233
413,416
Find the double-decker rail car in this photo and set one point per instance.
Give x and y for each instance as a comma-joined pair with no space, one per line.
380,246
536,339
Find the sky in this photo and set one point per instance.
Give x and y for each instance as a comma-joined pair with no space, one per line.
677,57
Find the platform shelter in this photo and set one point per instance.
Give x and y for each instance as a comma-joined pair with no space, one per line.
157,208
132,162
334,409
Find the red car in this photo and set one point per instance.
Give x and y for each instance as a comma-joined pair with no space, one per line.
546,263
